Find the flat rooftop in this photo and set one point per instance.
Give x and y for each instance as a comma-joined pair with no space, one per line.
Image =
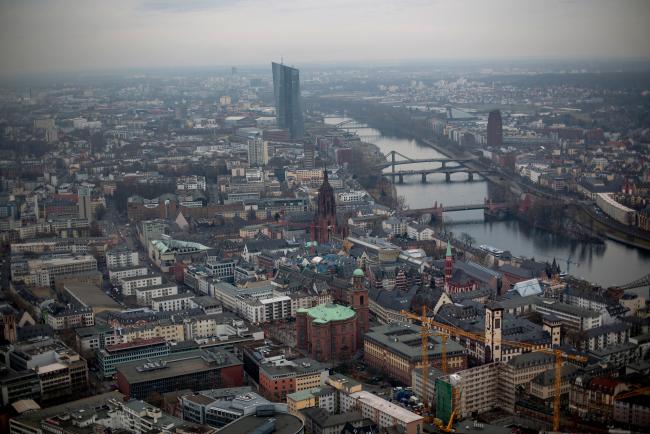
90,295
177,365
386,407
284,424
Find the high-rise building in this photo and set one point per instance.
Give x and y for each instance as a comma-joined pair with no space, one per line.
494,129
84,203
288,106
309,151
258,152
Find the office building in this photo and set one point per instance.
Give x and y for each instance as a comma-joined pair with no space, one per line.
61,371
288,104
17,385
494,129
194,370
107,412
266,420
140,349
151,230
85,295
278,379
46,269
396,350
219,407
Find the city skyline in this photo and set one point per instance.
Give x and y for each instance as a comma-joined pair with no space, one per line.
60,35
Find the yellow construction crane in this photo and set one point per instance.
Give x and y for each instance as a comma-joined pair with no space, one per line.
425,332
560,355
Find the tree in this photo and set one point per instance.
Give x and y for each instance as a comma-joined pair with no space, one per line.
467,239
276,216
250,215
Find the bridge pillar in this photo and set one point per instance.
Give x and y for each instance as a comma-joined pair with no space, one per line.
392,155
443,164
400,179
448,177
470,176
424,178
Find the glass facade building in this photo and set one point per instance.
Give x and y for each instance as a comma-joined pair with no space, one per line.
288,106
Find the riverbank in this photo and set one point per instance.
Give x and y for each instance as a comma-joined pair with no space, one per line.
591,230
609,264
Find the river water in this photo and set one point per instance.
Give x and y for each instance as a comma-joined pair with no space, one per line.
610,264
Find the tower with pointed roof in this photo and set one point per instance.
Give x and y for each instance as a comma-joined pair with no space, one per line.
449,265
325,219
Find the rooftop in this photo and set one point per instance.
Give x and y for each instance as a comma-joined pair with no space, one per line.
324,313
386,407
284,423
176,365
405,340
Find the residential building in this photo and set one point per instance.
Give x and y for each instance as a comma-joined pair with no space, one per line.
115,275
145,295
173,302
122,258
258,152
62,317
129,284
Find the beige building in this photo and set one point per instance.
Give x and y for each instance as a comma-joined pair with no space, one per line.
395,350
384,413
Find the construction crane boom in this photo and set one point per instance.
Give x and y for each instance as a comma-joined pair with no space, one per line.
429,323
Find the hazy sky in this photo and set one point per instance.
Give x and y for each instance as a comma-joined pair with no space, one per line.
68,35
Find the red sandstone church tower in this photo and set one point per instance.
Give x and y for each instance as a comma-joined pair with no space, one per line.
325,218
359,302
449,266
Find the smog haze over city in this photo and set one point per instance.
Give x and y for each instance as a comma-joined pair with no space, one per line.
310,217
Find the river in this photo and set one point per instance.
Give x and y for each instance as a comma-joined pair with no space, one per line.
610,264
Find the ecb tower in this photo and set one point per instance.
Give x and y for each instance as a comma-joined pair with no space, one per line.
288,106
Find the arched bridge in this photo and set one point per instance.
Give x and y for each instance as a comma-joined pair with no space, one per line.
351,124
393,161
448,171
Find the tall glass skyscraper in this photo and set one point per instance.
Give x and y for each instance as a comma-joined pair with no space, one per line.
288,106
